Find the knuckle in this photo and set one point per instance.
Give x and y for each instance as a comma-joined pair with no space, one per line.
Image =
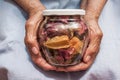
29,23
28,41
35,61
99,34
25,41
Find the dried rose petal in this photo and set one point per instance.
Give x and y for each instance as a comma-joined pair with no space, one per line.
59,59
61,51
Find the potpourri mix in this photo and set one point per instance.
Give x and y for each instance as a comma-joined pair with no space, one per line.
63,39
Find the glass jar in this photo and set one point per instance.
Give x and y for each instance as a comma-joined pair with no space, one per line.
63,37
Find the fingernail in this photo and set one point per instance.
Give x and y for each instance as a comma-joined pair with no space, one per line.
34,50
87,58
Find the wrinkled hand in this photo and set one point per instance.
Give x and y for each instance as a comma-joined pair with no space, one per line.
32,45
95,35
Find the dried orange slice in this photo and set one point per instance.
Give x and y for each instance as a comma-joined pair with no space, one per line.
57,42
76,44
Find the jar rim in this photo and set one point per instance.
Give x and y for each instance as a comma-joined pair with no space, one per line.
59,12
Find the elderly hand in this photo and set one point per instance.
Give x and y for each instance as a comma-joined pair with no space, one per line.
32,25
95,35
93,10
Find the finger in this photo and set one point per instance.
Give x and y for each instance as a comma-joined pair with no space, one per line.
31,41
35,18
31,38
91,51
35,50
33,23
79,67
43,64
95,35
33,47
31,29
37,57
61,69
39,61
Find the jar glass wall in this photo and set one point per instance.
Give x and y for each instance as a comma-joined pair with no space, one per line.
63,39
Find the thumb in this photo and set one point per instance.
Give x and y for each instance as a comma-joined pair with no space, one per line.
32,46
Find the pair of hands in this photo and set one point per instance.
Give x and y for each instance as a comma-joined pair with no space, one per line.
95,34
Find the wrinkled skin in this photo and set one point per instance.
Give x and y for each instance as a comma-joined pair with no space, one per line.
32,25
34,8
93,10
95,35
